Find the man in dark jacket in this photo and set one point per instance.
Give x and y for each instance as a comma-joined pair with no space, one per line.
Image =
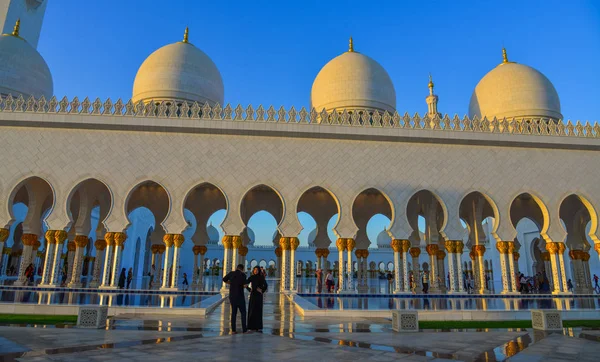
237,282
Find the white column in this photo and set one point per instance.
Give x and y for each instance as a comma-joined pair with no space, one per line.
350,244
108,257
405,248
60,237
80,244
28,241
397,248
459,265
178,240
561,260
451,249
71,248
227,245
480,251
50,246
168,240
284,243
548,269
553,249
195,270
415,252
98,263
4,233
119,245
200,281
158,275
341,245
441,270
294,243
432,252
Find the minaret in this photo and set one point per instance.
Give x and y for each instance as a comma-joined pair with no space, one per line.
31,13
431,100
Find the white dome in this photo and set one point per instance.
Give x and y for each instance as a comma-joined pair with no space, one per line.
353,81
513,90
383,240
23,71
311,237
179,71
213,234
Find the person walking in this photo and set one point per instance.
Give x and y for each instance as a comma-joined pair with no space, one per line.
185,281
596,283
122,279
151,273
319,276
329,282
29,274
255,305
237,282
425,282
129,277
569,285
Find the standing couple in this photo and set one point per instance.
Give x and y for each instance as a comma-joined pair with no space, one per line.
237,282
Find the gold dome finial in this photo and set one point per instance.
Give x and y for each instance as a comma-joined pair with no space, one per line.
430,85
504,56
186,35
351,46
17,28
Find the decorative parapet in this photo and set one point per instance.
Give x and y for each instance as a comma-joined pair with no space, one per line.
185,110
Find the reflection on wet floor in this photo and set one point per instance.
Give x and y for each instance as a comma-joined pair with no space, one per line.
336,302
112,299
281,319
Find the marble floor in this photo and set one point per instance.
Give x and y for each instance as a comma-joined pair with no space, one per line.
286,336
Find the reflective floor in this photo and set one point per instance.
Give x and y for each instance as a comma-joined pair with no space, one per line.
286,336
423,303
123,299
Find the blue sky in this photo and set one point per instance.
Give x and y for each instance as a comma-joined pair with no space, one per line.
269,52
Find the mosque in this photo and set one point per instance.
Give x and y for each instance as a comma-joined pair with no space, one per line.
90,186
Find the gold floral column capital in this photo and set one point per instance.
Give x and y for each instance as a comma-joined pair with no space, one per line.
432,249
516,256
440,254
100,244
396,244
545,256
196,249
110,238
284,243
236,241
325,252
405,245
50,237
597,248
479,250
350,244
340,243
71,246
162,248
120,238
168,240
4,234
450,246
460,246
81,241
178,240
36,245
502,247
243,250
60,236
294,243
472,254
552,247
227,241
203,249
278,251
585,256
561,248
415,252
29,239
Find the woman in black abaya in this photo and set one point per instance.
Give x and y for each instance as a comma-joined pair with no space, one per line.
255,307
